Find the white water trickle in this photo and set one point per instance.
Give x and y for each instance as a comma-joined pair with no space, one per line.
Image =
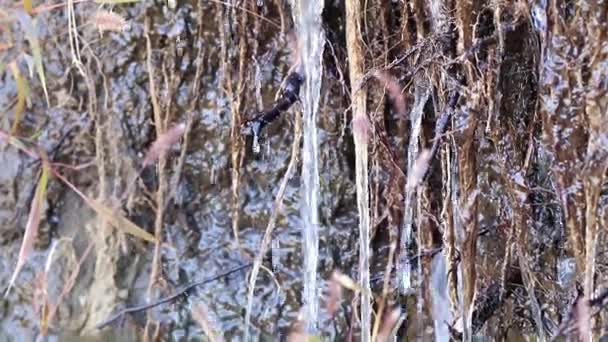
405,272
440,299
311,40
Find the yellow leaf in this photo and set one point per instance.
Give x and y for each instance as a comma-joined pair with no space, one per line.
27,6
346,281
119,221
22,94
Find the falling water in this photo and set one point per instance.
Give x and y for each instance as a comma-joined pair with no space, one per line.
307,17
440,299
405,272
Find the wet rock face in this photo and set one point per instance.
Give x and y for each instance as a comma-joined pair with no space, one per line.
521,160
8,195
198,216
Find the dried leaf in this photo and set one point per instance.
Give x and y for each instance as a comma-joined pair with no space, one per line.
33,222
109,21
119,221
22,94
29,26
163,143
345,281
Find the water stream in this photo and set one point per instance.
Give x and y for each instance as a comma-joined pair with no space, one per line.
405,272
440,299
307,18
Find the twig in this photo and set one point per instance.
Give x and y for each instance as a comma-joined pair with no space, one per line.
172,297
440,127
162,177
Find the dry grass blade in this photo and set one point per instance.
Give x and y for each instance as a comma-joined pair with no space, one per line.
22,95
109,21
117,220
200,315
163,143
33,222
28,25
120,221
11,140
